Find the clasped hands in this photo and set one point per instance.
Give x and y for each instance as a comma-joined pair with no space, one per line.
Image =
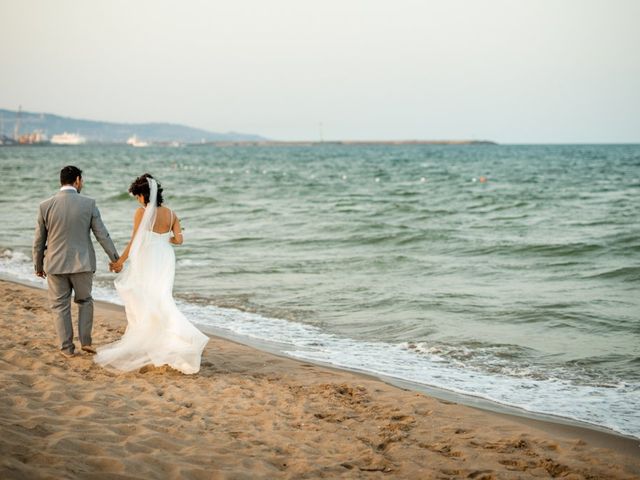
115,266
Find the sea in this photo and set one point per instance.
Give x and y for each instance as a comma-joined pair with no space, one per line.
506,273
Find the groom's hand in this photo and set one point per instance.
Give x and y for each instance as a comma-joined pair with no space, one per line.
41,274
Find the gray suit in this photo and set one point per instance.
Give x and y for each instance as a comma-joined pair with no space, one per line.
63,249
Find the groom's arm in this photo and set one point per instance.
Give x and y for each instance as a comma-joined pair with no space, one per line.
102,235
39,244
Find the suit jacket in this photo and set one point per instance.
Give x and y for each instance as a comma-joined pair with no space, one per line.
62,242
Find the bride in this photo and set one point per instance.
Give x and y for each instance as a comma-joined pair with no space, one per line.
157,333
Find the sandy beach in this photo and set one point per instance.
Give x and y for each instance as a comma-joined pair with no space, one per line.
250,414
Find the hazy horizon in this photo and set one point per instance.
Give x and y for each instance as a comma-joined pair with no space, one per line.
539,72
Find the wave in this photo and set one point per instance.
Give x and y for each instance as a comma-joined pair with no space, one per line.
194,199
566,252
628,243
559,249
629,274
118,197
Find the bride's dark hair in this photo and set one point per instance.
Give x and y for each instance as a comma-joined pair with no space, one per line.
140,186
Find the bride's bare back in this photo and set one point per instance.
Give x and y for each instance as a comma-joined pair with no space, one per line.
165,220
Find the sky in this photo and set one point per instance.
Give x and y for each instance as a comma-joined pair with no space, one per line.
511,71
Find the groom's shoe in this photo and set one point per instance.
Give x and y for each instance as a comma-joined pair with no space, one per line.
89,349
67,353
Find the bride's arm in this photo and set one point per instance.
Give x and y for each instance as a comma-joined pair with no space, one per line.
137,218
177,232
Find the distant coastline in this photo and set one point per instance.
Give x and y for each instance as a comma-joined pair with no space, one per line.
8,142
36,129
28,128
302,143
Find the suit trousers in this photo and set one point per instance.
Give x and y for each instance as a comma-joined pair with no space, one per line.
60,287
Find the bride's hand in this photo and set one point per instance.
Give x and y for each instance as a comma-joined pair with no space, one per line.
115,266
176,239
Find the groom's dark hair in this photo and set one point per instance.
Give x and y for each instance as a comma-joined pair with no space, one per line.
69,174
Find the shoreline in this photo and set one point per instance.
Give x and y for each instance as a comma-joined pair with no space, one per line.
253,414
599,435
603,436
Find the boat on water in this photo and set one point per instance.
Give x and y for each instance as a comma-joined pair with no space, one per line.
34,138
68,139
134,141
4,140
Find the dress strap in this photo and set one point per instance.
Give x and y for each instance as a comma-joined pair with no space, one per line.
171,222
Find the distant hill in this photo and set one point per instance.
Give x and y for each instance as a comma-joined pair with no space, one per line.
109,132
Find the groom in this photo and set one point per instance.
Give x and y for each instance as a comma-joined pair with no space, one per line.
64,255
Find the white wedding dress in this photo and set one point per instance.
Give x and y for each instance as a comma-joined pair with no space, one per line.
157,333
